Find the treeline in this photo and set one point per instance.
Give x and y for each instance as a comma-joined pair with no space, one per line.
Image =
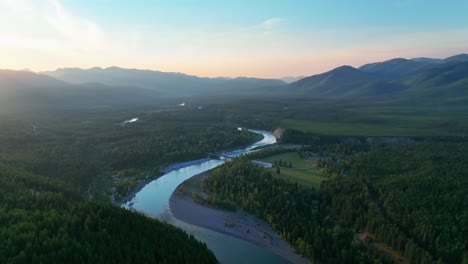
267,152
43,220
49,162
412,196
294,212
84,147
174,146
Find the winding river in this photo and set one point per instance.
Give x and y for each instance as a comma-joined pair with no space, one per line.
153,200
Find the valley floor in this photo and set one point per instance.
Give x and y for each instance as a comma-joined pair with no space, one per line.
237,224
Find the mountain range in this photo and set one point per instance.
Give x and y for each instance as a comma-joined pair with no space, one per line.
401,80
166,83
429,80
399,67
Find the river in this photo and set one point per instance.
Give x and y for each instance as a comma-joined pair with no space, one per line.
153,200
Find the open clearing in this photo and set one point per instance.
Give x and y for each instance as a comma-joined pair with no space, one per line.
306,177
293,157
383,121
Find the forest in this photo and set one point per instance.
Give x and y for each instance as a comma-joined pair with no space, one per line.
52,208
96,152
411,196
44,220
57,166
292,211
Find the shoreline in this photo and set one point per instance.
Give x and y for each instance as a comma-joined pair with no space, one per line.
165,170
128,197
183,164
236,224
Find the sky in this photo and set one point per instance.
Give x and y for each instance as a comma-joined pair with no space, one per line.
254,38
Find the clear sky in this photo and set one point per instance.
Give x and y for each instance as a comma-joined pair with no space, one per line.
259,38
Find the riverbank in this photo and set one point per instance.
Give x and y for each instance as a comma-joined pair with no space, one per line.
237,224
129,196
142,183
184,164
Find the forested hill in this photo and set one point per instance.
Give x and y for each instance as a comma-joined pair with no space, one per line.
382,202
394,82
42,220
51,163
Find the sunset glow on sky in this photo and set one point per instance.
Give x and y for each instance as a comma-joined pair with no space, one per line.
266,38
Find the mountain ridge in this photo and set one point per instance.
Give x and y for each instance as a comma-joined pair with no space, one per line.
398,68
438,80
443,82
169,83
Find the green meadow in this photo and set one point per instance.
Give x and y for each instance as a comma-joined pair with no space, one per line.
309,177
384,121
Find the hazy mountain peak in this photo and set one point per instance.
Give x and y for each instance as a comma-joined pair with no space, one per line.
457,58
291,79
168,83
344,68
394,68
336,81
426,60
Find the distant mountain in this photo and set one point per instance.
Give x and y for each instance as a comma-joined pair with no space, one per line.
114,86
400,81
443,75
456,58
398,68
166,83
291,79
18,79
426,60
26,90
23,84
444,82
335,82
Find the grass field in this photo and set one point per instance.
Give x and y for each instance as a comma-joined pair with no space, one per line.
309,178
385,121
353,129
292,157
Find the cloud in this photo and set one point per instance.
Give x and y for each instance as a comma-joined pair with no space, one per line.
32,23
44,33
80,33
16,6
271,23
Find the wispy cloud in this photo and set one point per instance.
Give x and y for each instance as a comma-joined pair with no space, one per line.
270,23
78,32
44,33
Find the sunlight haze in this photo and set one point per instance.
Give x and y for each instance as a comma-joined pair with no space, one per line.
219,38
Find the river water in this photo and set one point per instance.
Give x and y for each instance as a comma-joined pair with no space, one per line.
153,200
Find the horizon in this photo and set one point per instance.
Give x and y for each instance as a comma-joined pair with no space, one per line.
264,39
227,77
